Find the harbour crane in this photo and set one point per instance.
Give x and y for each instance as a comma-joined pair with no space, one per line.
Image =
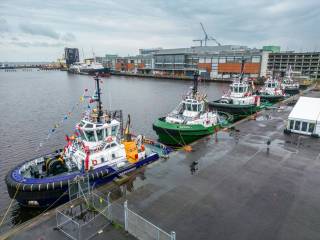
206,38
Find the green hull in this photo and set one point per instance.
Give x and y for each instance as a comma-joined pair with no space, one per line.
180,134
271,98
238,111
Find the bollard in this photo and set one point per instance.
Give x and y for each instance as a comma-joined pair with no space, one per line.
173,235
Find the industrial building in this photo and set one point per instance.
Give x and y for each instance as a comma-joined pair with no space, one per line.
71,55
308,63
212,61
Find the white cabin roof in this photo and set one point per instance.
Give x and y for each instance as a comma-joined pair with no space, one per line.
307,108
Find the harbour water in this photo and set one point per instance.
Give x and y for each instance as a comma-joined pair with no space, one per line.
33,102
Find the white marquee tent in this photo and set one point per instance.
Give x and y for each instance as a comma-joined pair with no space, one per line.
305,117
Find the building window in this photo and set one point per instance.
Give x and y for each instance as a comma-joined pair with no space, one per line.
311,127
291,124
297,125
304,126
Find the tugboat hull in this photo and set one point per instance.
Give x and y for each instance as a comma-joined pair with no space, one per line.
291,91
272,98
180,134
52,191
235,109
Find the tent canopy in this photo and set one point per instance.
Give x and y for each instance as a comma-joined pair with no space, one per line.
307,108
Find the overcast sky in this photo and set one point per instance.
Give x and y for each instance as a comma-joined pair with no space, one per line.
38,30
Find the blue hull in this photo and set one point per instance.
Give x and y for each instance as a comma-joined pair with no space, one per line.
52,191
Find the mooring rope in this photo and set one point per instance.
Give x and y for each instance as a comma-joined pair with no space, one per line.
14,197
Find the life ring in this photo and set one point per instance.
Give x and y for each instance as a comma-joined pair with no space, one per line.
94,162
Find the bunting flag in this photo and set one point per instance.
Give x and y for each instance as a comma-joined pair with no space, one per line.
68,115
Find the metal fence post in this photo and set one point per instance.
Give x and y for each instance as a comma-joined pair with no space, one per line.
126,215
109,207
173,235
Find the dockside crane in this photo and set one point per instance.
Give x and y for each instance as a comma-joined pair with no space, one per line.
206,38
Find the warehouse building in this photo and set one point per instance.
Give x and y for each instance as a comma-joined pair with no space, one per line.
308,63
211,61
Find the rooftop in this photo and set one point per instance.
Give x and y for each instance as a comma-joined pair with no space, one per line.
307,108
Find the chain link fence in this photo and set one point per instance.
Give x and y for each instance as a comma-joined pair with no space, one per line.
142,228
88,213
84,217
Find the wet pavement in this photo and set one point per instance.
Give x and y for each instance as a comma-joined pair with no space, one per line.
44,228
239,187
231,186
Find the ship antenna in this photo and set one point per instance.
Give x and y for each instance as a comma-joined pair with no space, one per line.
99,104
242,69
195,83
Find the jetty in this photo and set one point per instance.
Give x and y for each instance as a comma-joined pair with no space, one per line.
249,181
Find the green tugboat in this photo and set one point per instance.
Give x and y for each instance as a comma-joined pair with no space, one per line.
271,92
190,121
240,100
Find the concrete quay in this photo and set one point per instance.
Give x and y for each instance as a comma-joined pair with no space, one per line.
240,189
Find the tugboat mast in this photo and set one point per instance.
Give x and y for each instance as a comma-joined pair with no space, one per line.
195,84
242,69
99,103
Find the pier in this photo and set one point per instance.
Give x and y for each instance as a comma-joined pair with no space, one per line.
44,67
251,182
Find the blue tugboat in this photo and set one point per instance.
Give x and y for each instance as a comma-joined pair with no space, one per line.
97,152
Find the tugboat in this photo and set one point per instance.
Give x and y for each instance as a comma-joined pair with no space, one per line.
239,100
271,92
190,121
290,86
96,152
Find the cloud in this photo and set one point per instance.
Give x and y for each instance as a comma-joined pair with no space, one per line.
26,44
68,37
4,26
40,30
124,27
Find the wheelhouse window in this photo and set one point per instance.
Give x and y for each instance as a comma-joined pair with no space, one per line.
105,133
311,127
100,134
291,124
195,107
240,89
90,136
304,126
114,130
188,107
297,125
81,124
